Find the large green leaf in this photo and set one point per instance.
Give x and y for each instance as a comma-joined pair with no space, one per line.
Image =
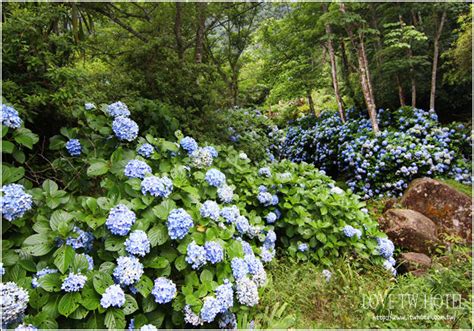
69,303
158,235
63,257
97,168
38,244
115,319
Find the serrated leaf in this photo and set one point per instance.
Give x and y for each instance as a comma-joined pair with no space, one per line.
115,319
158,235
130,305
98,168
69,303
63,258
38,244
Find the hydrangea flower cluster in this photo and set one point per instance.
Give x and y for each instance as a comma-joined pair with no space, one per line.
118,109
247,292
40,274
113,296
74,147
265,198
195,255
264,172
191,317
215,178
350,232
271,218
145,150
89,106
24,327
225,295
214,252
230,214
120,220
189,144
2,269
210,308
242,224
303,247
73,282
13,301
179,222
327,274
137,169
212,151
239,267
84,239
385,249
128,270
164,290
137,243
10,117
201,158
225,194
156,186
148,327
210,209
228,321
15,201
125,128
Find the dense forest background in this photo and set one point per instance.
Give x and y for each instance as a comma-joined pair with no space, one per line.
183,64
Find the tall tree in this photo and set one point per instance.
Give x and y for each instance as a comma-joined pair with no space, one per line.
434,70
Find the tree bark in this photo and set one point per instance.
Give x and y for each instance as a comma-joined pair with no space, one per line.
310,102
201,12
177,31
435,60
401,94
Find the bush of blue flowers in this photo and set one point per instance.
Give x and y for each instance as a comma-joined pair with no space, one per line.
144,232
411,144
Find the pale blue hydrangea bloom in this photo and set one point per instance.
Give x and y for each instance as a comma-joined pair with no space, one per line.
267,254
303,247
201,158
10,117
164,290
120,220
246,247
117,109
15,201
230,214
137,243
125,128
156,186
89,106
336,190
83,239
247,292
271,217
265,198
225,295
24,327
188,144
260,278
74,282
210,309
225,194
264,172
128,270
148,327
275,200
270,239
214,252
2,269
74,147
191,317
14,301
179,222
228,321
242,224
350,232
239,267
136,169
212,150
385,247
254,264
145,150
210,209
41,273
388,266
327,274
215,178
195,255
113,296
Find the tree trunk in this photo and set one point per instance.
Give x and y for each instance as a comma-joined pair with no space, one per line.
201,12
310,102
435,61
401,94
332,59
413,89
177,31
346,70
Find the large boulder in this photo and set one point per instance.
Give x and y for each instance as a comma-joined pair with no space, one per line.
410,229
448,208
414,262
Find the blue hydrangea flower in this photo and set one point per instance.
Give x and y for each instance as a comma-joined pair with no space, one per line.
303,247
74,147
41,273
336,190
15,201
164,290
327,274
73,282
117,109
214,252
350,232
179,222
247,292
128,270
145,150
228,321
254,264
120,220
275,200
210,309
267,254
242,224
385,247
188,144
90,261
388,266
271,218
10,117
262,188
201,158
89,106
264,172
195,255
210,209
211,150
225,295
270,239
83,240
148,327
156,186
191,317
14,301
230,214
225,194
137,169
246,247
265,198
24,327
113,296
215,178
125,128
2,269
137,243
239,267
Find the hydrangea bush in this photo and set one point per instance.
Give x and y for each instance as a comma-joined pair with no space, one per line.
155,240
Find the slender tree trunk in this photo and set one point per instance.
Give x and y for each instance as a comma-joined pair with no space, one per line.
413,89
310,102
332,59
435,61
401,94
366,65
201,10
346,70
177,31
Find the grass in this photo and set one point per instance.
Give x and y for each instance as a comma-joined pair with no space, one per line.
298,296
466,189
